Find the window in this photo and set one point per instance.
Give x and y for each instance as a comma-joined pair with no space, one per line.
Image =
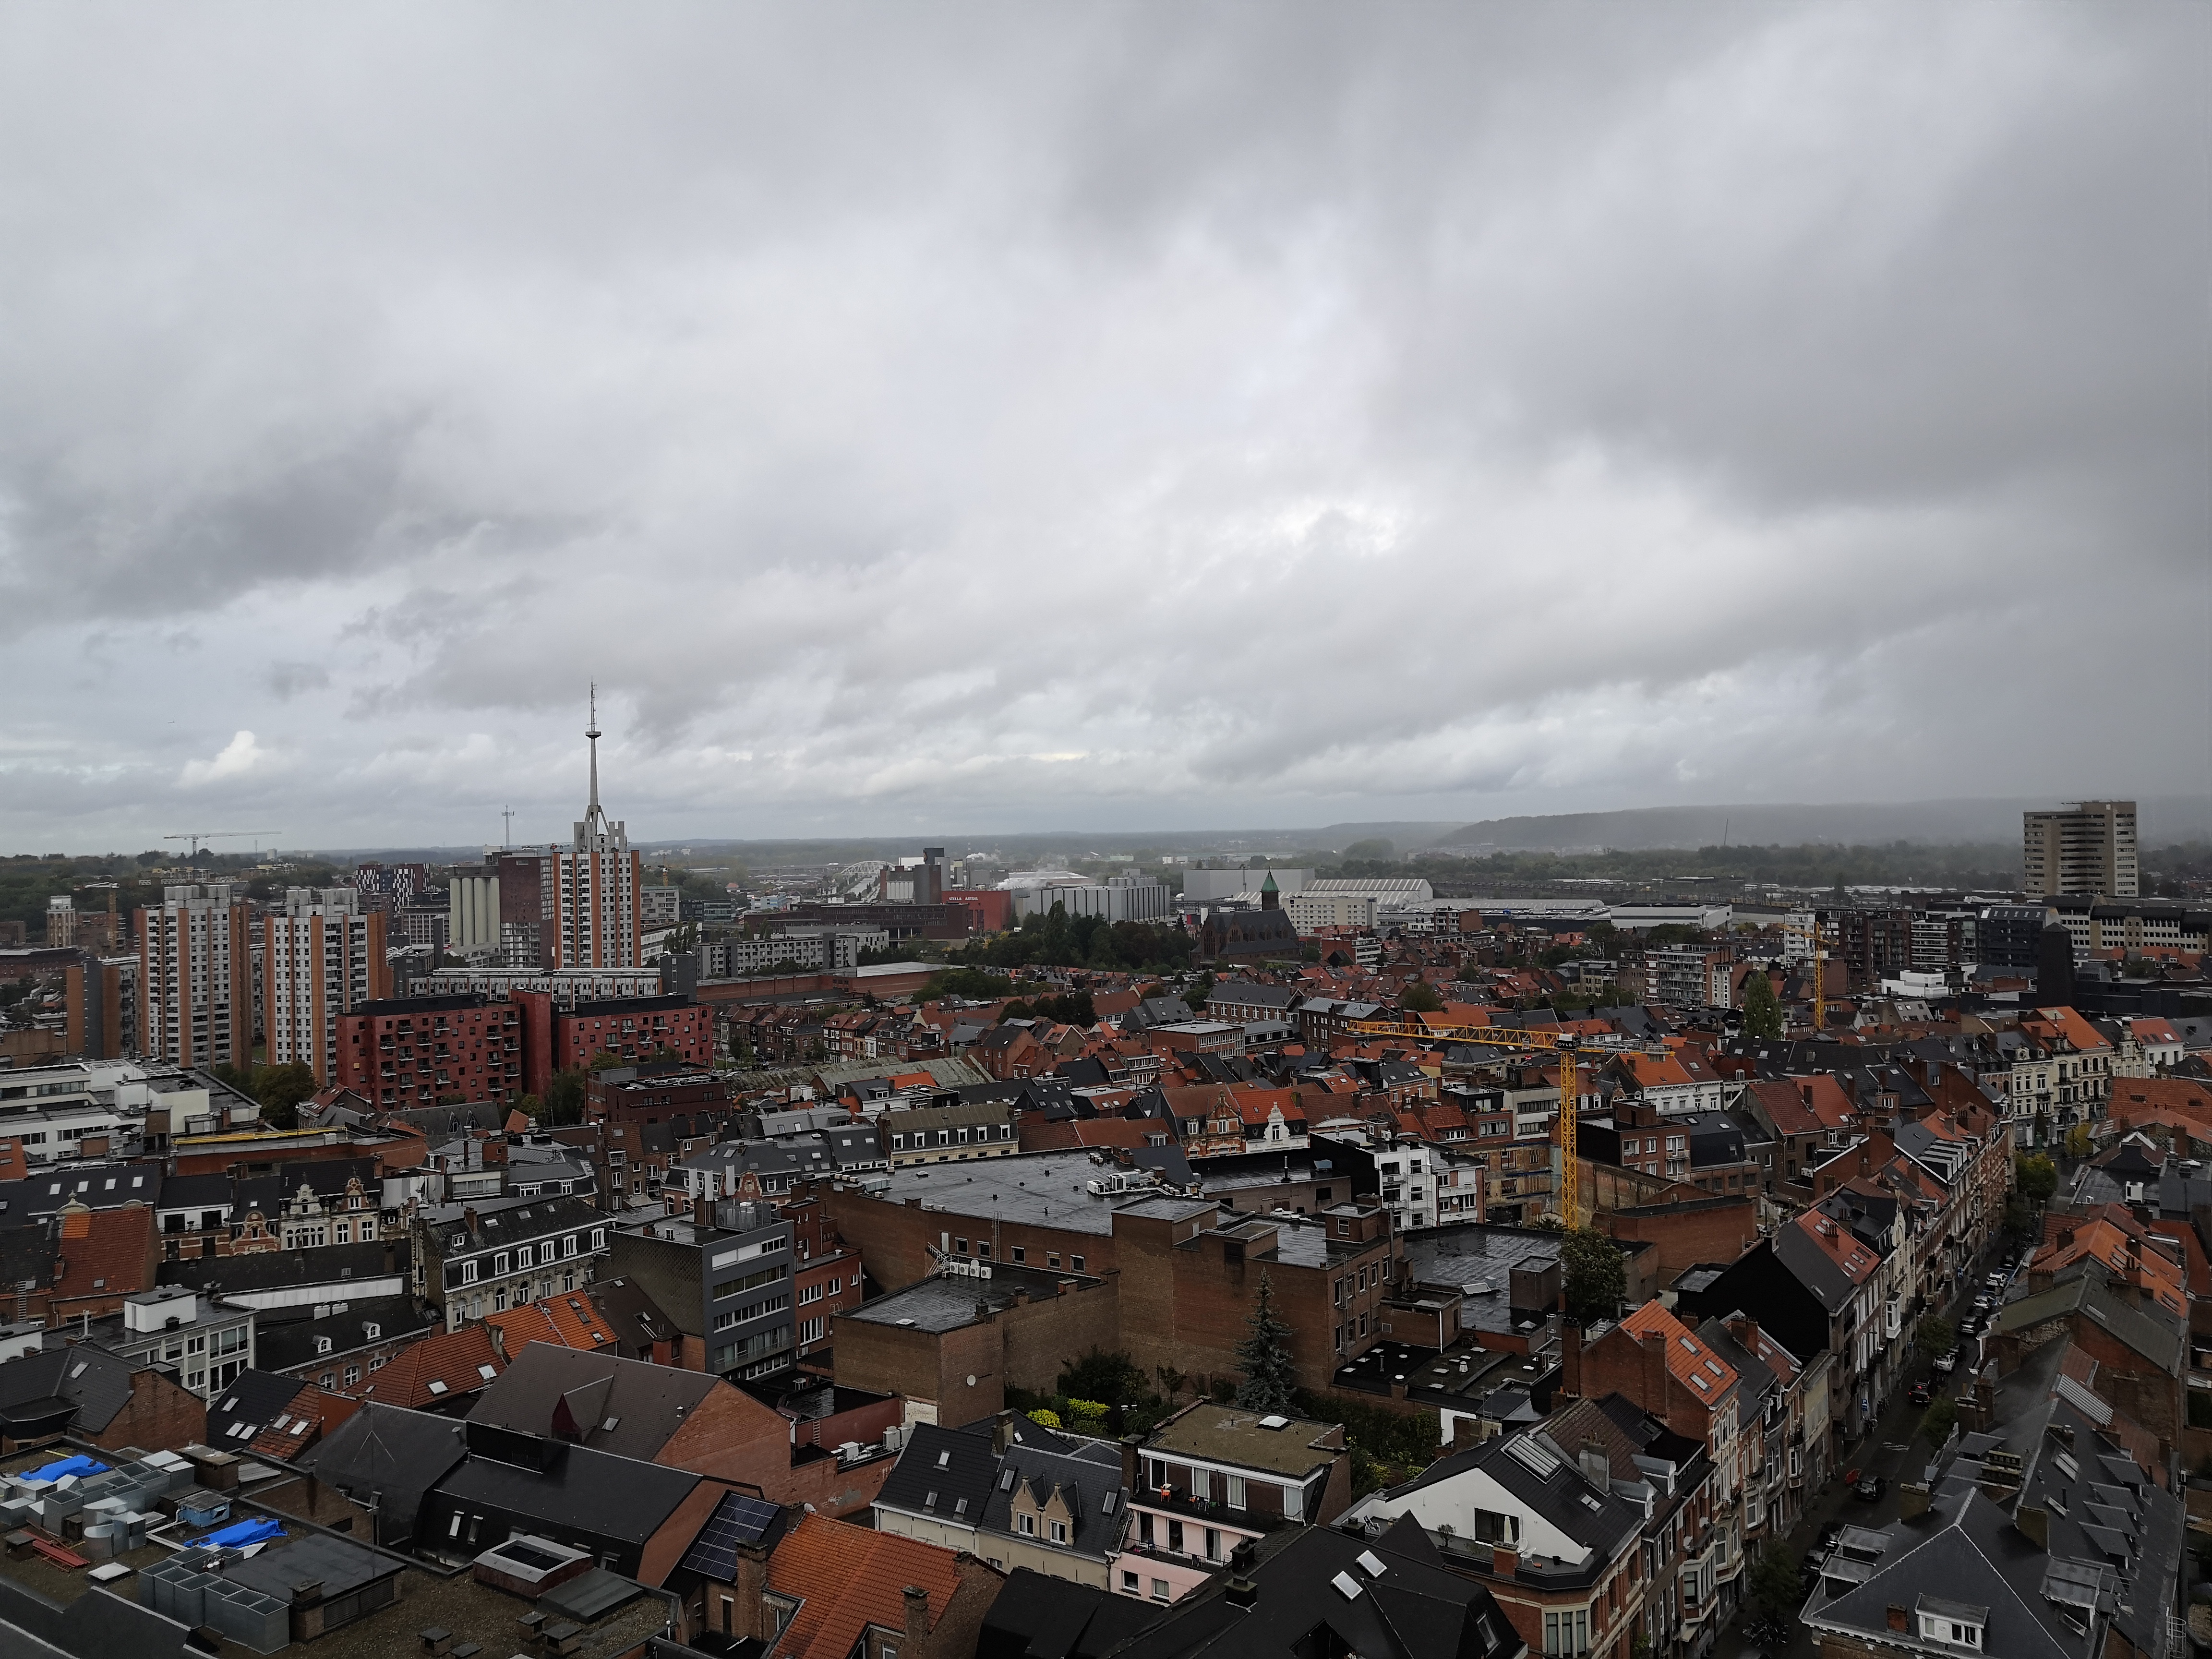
468,1273
1200,1484
1027,1525
1060,1532
1131,1584
809,1330
352,1375
1076,1262
1159,1589
1236,1494
568,1245
1951,1631
598,1238
503,1263
1567,1631
522,1257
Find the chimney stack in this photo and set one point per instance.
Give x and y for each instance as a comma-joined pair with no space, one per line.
917,1617
2034,1525
1002,1434
1897,1617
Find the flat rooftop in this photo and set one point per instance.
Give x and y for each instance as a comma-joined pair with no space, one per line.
473,1612
1037,1189
946,1302
1224,1435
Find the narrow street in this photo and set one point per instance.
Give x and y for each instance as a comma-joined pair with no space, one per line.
1893,1450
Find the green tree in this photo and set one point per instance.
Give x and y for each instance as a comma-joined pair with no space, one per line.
1762,1012
1597,1281
1934,1335
564,1098
1774,1584
1419,997
280,1088
2037,1177
2079,1141
1103,1374
1265,1356
1937,1422
1374,850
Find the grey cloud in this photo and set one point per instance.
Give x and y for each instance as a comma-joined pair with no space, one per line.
1272,405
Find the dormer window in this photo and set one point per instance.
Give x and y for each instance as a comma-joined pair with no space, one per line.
1951,1631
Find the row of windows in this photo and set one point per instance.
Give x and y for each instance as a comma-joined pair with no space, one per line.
944,1137
1019,1253
524,1257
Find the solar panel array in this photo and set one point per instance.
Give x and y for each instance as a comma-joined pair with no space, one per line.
738,1519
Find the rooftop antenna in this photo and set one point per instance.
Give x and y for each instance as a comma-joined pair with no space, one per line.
507,836
591,814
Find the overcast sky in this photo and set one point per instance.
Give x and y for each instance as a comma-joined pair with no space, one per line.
935,417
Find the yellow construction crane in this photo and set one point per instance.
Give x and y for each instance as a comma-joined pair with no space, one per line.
1819,940
1565,1045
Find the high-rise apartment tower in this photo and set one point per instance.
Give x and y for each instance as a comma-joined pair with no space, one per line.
2086,847
196,977
597,886
323,957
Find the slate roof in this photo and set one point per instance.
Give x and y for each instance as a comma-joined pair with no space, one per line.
2159,1336
1085,1473
94,1383
551,1391
1038,1617
1561,1493
249,1405
580,1490
284,1338
1415,1608
389,1455
268,1270
937,1472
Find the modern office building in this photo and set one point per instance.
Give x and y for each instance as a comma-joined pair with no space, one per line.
322,957
195,977
2086,847
596,889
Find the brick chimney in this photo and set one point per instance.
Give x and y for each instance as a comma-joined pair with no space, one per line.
2034,1525
1570,1360
1002,1436
1897,1618
917,1617
1654,1346
1504,1560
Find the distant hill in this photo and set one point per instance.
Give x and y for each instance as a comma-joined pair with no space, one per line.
1844,823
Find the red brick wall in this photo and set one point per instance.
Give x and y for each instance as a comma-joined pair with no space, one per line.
733,1437
162,1415
893,1238
1686,1237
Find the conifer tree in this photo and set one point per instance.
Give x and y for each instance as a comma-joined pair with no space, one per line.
1265,1355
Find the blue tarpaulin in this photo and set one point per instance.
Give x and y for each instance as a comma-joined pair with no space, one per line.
77,1466
240,1535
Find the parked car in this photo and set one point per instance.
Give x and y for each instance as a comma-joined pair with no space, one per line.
1869,1491
1921,1394
1947,1363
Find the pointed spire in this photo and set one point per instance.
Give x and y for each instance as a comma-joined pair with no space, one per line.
592,731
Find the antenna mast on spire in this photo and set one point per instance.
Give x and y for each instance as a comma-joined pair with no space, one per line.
591,813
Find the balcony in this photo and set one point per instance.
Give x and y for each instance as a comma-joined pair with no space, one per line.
1209,1511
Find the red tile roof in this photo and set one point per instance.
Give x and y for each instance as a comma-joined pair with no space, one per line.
311,1414
1695,1366
846,1578
567,1321
105,1252
442,1365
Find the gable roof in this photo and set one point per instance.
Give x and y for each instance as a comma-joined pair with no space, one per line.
1689,1362
846,1578
626,1406
390,1455
941,1473
442,1365
89,1383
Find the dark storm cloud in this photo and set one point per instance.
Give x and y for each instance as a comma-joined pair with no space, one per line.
1212,412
